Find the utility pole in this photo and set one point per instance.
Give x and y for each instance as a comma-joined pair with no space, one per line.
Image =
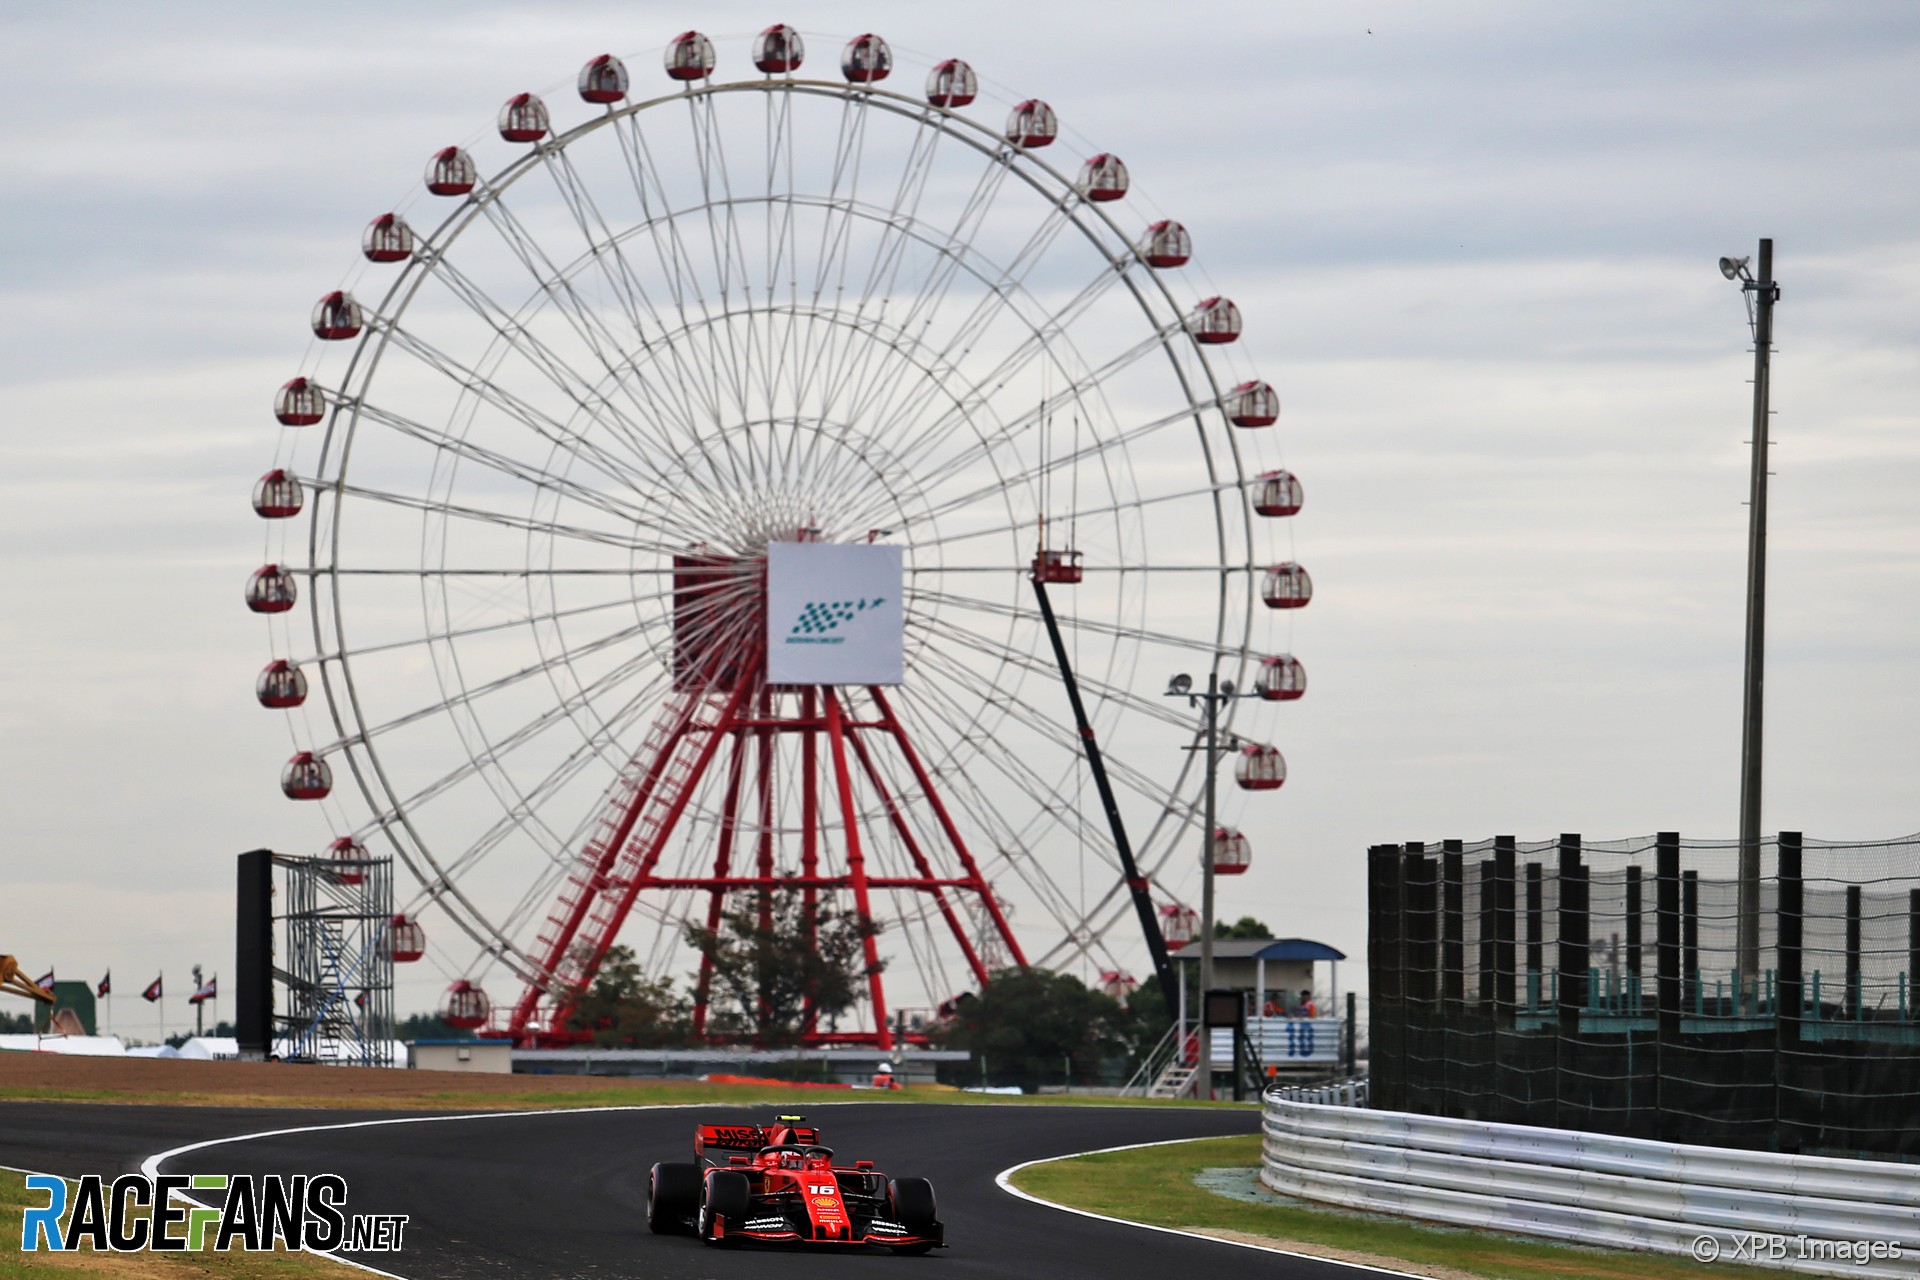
1218,691
1206,861
1761,294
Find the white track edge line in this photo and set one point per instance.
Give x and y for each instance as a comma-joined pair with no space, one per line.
1004,1180
151,1165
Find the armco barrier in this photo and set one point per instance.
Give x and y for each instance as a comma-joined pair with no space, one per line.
1804,1214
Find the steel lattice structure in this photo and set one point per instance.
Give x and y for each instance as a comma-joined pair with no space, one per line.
645,346
338,977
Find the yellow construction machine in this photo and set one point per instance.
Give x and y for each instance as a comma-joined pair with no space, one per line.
14,981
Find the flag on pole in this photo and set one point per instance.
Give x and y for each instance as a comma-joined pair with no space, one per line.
45,981
205,993
152,992
106,985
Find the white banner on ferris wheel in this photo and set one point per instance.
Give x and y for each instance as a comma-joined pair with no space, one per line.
834,613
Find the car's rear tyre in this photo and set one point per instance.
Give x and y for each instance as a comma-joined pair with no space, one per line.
913,1204
729,1196
673,1197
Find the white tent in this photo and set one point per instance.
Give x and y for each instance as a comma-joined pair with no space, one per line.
82,1046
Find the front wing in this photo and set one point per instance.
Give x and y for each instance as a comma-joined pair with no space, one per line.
784,1222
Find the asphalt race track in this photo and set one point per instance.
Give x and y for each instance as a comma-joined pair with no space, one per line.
562,1194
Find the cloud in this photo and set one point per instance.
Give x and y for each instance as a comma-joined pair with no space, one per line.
1475,250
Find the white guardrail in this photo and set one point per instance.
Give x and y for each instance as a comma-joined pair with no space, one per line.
1805,1214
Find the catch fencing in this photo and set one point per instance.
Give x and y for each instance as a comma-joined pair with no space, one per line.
1596,986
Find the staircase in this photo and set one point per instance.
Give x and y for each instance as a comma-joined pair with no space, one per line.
583,895
1175,1081
1164,1073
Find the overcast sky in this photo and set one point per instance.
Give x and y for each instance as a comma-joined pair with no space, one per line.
1475,244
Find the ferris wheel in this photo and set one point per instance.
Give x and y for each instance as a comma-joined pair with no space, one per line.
597,374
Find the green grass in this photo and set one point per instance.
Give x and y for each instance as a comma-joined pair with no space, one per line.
1156,1185
18,1265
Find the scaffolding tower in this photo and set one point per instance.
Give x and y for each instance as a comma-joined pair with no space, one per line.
338,979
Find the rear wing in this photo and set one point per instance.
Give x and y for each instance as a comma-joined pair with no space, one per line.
716,1142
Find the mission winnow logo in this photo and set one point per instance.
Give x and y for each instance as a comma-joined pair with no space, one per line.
818,618
135,1212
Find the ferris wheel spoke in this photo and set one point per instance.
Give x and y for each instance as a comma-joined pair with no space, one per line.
550,528
657,423
830,258
559,848
630,288
494,752
501,683
478,762
459,447
593,405
515,800
1053,802
676,261
1070,622
852,366
782,257
1071,513
1096,451
554,433
1046,332
916,450
356,652
938,714
955,251
729,253
673,522
1059,735
1007,285
959,241
885,401
1154,708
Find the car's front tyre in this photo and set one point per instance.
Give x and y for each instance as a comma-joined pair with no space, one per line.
729,1198
913,1208
673,1197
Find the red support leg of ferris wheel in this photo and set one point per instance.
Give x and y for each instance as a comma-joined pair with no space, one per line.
856,864
644,820
598,894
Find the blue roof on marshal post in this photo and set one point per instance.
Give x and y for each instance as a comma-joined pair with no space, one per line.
1274,949
1298,949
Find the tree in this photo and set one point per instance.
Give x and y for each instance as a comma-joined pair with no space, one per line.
1245,927
16,1024
781,964
626,1009
1147,1019
427,1026
1032,1027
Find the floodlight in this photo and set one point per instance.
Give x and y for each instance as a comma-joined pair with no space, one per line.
1226,688
1734,268
1179,684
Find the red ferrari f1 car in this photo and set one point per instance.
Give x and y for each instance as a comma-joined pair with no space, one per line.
776,1184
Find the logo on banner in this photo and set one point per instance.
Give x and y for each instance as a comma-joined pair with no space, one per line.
835,613
821,616
135,1212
